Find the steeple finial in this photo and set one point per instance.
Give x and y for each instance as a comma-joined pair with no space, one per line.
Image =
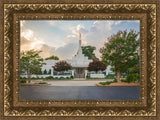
79,35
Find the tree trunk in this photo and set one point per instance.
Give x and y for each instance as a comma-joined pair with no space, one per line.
29,76
118,76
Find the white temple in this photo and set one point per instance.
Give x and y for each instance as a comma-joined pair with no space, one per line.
79,62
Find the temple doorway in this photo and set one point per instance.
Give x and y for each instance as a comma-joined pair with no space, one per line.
79,73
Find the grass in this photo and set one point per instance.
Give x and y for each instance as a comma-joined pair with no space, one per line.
42,83
106,83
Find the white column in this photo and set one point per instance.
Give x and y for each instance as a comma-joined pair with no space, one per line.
86,71
52,72
72,73
106,72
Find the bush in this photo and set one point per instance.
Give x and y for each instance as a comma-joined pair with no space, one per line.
42,83
71,77
132,78
115,80
22,80
61,78
106,83
88,76
110,76
67,78
49,77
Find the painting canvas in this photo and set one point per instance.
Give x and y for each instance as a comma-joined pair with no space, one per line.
79,59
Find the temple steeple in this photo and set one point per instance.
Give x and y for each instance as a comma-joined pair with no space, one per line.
79,52
79,39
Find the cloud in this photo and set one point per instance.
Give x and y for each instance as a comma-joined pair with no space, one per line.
67,51
79,28
117,22
52,23
98,34
47,51
30,41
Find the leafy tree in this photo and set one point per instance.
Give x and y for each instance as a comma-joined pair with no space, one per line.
62,66
45,71
49,72
52,58
121,51
88,51
96,65
31,62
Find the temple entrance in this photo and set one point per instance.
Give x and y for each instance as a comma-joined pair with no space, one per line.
79,73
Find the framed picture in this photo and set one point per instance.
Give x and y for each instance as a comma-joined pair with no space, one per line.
74,60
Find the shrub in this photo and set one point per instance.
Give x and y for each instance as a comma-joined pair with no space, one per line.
115,80
132,78
49,77
61,78
67,77
71,77
106,83
110,76
88,76
42,83
22,80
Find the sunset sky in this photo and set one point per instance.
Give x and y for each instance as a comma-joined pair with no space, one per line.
61,37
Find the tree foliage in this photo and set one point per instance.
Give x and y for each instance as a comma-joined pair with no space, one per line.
88,51
45,72
52,58
96,65
31,62
121,51
62,66
49,72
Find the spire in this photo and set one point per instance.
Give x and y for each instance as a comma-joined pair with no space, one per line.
79,35
79,39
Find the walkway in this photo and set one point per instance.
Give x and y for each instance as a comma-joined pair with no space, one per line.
75,82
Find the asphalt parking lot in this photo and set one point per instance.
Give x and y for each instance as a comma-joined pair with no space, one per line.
34,92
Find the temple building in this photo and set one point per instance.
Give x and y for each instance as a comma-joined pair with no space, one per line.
79,63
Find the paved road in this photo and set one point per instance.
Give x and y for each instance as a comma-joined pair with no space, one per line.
78,93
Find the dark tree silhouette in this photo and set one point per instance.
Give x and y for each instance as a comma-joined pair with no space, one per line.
96,65
62,66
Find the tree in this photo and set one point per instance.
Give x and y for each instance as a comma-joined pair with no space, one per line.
121,51
96,65
45,71
31,62
88,51
52,58
49,72
62,66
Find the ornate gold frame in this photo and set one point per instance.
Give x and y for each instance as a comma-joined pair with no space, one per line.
14,11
